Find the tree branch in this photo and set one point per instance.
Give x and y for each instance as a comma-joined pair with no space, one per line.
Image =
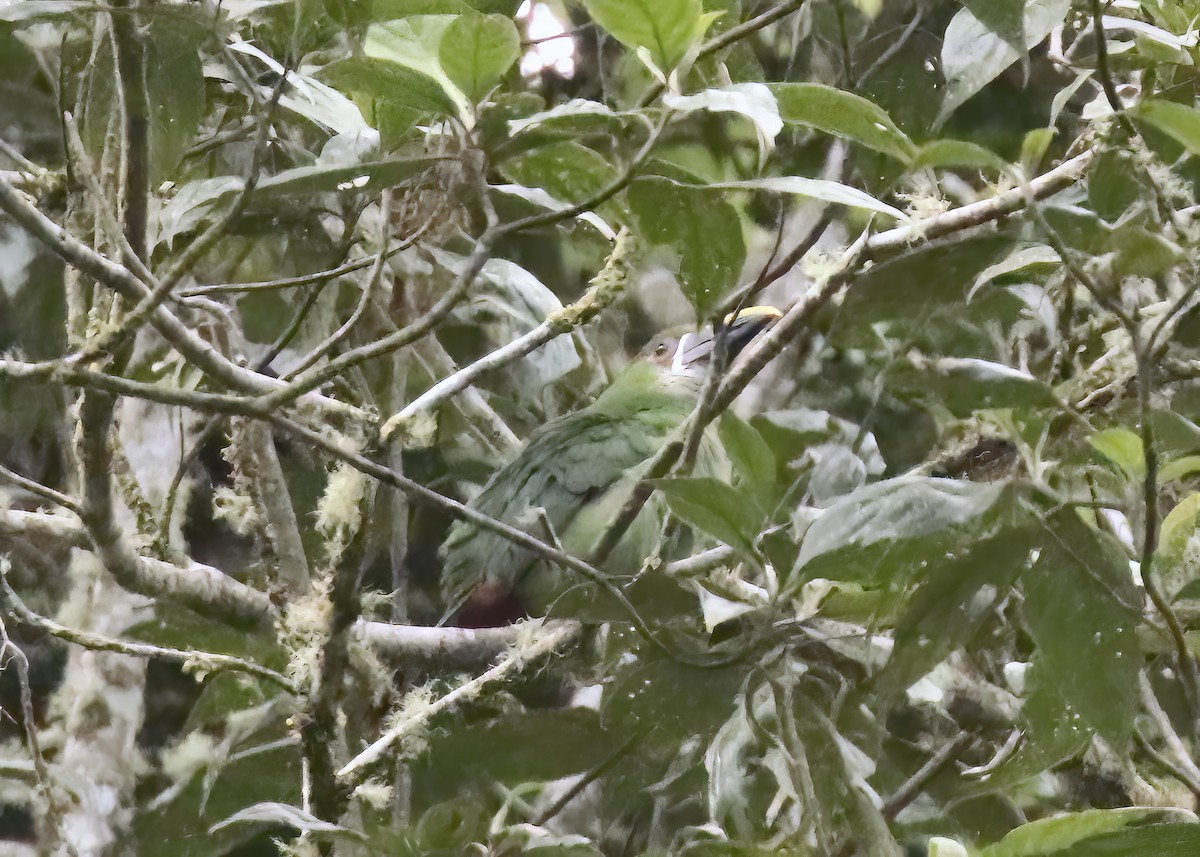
552,636
185,340
606,286
205,589
207,661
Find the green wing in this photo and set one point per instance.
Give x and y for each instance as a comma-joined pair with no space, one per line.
569,464
566,467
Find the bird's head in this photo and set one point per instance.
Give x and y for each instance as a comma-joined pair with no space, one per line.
688,353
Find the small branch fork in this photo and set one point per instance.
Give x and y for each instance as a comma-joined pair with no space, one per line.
552,636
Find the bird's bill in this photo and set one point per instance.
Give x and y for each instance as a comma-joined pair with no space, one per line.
740,330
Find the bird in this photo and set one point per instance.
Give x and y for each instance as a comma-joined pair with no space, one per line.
574,475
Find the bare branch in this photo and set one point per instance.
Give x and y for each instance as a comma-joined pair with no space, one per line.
552,636
205,589
441,649
121,280
43,491
210,662
605,288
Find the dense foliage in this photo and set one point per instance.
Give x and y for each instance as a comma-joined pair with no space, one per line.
282,282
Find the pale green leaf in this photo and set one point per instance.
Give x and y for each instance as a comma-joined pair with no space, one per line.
845,115
959,154
476,50
1057,834
1123,448
665,28
822,189
1177,121
415,43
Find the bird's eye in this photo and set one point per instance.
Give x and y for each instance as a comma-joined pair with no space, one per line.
660,351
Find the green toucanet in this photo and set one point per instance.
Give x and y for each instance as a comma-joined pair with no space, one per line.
579,470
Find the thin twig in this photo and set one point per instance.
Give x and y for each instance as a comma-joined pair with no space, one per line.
15,655
43,491
182,337
604,289
292,282
592,776
1185,776
1189,672
1162,720
23,163
208,661
911,788
1102,68
369,290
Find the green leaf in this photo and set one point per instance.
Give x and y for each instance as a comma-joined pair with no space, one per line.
1024,257
1005,18
1080,229
175,85
665,28
1117,182
476,50
576,116
386,10
1174,568
957,594
728,514
568,171
752,459
1057,835
390,83
415,43
521,746
1178,468
1080,597
839,773
1033,148
703,229
966,384
1178,121
821,189
916,284
973,55
451,824
1143,253
1123,448
895,527
845,115
959,154
272,813
367,178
